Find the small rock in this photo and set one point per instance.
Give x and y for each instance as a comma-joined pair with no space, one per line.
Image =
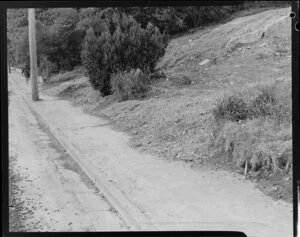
204,62
70,223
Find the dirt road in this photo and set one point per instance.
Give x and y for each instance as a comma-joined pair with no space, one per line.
157,194
48,190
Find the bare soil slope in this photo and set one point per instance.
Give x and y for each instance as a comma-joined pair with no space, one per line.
175,120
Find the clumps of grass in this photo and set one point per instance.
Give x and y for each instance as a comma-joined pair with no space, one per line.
263,101
231,108
129,85
254,129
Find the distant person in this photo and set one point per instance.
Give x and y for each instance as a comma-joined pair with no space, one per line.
26,72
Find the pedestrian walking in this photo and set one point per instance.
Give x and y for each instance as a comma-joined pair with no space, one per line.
26,72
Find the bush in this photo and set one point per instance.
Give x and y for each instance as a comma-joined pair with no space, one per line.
95,58
129,85
232,108
119,45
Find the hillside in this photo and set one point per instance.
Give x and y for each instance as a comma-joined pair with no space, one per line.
176,119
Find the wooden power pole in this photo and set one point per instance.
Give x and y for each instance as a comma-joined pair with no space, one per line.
8,62
33,58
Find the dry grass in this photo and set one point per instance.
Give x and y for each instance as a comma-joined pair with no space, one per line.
130,85
232,108
263,140
273,99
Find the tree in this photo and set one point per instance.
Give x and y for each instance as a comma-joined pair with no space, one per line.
120,44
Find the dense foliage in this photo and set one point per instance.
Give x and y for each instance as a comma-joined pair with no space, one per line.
120,45
174,20
58,41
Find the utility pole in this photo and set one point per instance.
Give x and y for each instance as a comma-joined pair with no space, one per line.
8,62
33,58
8,53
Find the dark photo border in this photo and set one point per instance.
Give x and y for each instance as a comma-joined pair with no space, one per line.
4,5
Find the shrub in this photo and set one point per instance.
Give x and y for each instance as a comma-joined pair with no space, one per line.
232,108
120,45
129,85
96,59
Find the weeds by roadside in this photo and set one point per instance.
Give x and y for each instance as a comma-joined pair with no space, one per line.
254,129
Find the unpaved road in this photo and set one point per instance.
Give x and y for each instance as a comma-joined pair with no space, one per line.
168,195
48,190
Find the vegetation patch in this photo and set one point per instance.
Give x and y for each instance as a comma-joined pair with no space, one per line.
232,108
254,130
130,85
120,45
